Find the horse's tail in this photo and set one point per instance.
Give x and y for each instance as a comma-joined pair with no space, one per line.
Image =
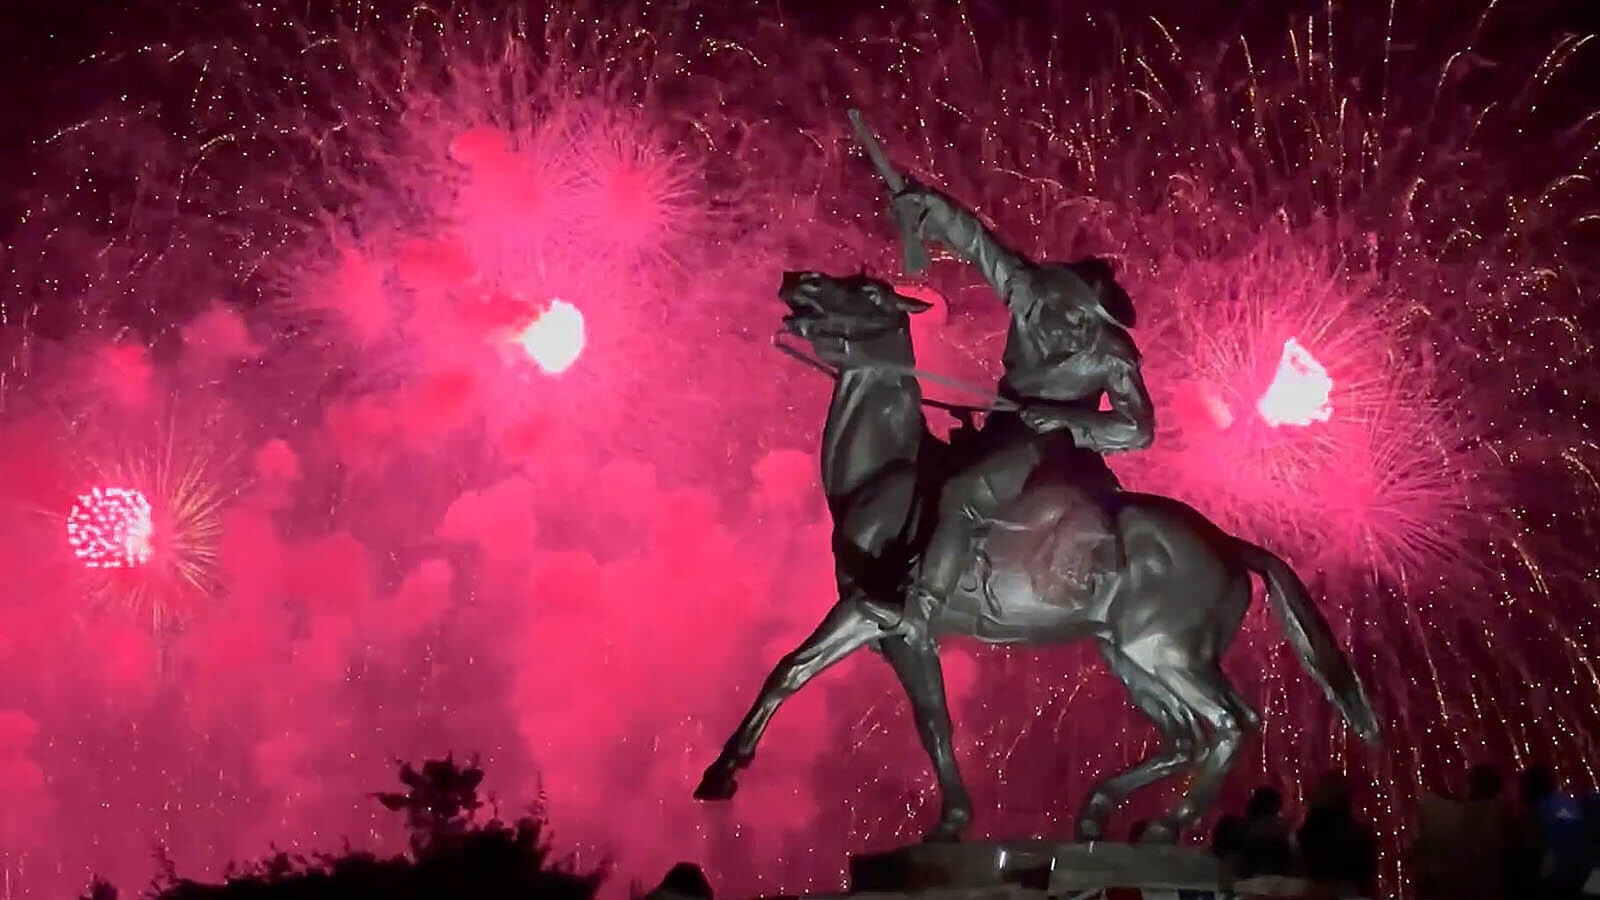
1311,638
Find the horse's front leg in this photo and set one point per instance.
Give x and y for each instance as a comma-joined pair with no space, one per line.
843,631
915,658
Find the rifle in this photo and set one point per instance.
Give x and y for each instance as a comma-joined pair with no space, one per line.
916,256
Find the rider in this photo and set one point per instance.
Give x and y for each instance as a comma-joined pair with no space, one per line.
1067,347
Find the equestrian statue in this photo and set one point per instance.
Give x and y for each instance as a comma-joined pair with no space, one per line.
1021,533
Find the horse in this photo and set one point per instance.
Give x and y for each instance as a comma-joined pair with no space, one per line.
1162,622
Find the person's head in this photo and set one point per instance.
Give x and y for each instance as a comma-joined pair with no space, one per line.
1264,802
1331,792
1538,782
686,880
1078,300
1484,782
1137,831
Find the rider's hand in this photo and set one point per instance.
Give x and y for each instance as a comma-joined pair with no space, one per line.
909,205
910,187
1042,419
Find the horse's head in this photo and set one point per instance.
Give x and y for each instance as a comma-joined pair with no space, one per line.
844,318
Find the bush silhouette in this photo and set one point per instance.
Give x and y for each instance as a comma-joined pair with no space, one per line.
452,855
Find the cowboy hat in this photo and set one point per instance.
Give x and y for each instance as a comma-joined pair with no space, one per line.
1091,283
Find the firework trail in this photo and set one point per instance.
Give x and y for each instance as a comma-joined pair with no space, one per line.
492,293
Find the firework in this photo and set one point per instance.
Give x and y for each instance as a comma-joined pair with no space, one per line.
176,531
110,528
1298,393
555,338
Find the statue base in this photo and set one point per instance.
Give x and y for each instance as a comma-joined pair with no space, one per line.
1052,868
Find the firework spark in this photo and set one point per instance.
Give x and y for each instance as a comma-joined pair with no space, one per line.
110,528
1298,394
555,338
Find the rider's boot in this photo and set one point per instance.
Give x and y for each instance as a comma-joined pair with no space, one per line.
1107,561
917,610
922,602
934,576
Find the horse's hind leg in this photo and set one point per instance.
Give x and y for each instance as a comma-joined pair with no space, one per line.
1179,732
915,659
842,632
1231,720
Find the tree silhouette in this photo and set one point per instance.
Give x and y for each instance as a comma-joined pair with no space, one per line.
100,889
440,802
451,856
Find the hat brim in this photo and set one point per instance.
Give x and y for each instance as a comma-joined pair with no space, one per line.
1110,303
1116,306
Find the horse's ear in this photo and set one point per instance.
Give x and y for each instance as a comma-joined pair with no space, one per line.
795,281
910,304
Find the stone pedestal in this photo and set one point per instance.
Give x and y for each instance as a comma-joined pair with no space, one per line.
1055,869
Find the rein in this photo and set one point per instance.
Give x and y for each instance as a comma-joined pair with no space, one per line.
992,402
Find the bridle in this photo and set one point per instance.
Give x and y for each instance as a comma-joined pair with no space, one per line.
992,402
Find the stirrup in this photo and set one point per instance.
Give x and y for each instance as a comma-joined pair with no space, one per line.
923,601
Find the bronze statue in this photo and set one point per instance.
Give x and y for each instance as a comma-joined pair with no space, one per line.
1163,617
1067,347
1022,533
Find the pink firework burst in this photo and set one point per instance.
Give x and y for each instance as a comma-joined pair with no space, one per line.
554,339
148,534
111,528
1299,391
636,197
1295,371
496,198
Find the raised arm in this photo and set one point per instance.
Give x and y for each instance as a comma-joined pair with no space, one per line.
1128,425
938,218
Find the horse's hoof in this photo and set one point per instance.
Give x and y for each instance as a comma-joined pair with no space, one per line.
718,783
951,828
1162,832
1093,817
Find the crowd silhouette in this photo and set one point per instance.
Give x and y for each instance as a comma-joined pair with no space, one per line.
1538,844
1331,849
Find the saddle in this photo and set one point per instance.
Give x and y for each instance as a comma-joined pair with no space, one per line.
1055,539
1058,530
